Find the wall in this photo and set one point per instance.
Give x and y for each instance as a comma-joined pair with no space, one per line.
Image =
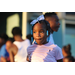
58,36
3,20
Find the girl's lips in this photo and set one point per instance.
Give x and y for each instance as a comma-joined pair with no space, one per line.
38,39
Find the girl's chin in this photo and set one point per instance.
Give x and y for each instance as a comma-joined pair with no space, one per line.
42,43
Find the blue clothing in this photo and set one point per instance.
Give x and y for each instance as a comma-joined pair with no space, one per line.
3,51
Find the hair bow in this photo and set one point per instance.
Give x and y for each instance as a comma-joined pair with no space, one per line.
38,19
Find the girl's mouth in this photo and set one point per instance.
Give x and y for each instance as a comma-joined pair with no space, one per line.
38,39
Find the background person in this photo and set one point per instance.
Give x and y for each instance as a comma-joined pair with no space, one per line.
66,50
3,52
18,50
29,37
68,59
53,20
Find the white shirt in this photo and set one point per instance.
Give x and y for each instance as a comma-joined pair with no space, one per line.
44,53
22,50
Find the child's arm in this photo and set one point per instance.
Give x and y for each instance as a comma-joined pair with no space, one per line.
11,55
12,52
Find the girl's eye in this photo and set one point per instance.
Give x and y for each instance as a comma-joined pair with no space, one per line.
34,32
41,32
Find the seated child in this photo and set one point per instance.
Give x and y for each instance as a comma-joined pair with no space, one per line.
43,50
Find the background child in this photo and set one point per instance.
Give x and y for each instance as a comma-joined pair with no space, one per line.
18,50
66,50
53,20
68,59
3,52
43,51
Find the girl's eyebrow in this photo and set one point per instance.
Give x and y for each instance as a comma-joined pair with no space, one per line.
40,29
34,29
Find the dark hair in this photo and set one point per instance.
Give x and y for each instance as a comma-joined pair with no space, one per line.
4,36
46,23
16,31
46,15
29,36
70,58
67,49
11,39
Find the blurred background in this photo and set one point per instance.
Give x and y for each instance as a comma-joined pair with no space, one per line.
64,36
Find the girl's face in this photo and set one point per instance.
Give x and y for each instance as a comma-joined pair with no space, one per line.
39,33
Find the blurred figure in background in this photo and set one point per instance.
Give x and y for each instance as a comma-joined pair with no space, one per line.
68,59
18,50
66,50
8,45
29,37
53,20
3,39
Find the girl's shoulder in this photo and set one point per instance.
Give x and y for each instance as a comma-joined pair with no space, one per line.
32,46
54,46
57,48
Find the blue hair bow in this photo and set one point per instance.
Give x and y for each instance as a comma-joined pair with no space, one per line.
38,19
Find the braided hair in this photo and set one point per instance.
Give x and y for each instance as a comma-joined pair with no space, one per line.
43,21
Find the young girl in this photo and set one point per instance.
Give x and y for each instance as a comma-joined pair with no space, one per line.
43,51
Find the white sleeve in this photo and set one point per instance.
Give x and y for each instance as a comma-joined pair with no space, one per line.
58,53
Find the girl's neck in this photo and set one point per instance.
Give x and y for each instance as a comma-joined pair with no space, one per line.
42,43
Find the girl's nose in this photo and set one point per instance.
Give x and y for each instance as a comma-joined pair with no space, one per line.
38,34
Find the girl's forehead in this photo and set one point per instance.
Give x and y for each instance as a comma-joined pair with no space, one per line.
39,25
